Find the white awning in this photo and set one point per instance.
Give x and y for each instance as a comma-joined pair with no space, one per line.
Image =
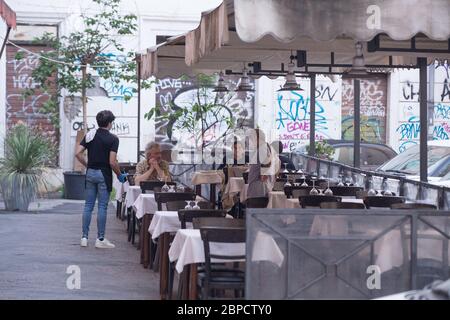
269,31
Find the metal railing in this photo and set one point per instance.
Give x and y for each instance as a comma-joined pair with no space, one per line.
356,254
410,189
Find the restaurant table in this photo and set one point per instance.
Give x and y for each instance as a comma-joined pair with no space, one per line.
163,224
237,185
121,188
144,207
133,193
391,250
278,199
211,177
187,250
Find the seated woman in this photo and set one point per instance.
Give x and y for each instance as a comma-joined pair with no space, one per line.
262,172
152,167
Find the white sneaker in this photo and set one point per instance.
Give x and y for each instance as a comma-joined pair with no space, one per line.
84,242
105,244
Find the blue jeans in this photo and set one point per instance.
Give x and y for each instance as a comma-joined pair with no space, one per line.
95,186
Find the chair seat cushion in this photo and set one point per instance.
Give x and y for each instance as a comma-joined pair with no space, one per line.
223,277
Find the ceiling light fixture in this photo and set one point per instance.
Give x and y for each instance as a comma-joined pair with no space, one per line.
291,80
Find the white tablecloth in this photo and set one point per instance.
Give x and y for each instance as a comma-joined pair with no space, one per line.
133,193
120,188
164,221
187,248
167,221
277,199
208,177
145,204
237,185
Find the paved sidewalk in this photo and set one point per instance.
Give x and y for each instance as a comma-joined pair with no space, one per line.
36,249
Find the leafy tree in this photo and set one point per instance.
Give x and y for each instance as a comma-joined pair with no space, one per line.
74,60
199,116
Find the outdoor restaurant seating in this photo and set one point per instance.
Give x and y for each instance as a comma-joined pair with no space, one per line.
315,201
413,206
289,190
347,191
382,201
188,215
150,185
164,197
211,280
203,222
259,202
341,205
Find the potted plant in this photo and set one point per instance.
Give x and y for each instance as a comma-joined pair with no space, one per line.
323,150
27,152
76,60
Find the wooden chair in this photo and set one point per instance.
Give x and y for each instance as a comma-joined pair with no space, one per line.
413,206
315,201
278,185
152,184
214,279
342,205
289,191
164,197
346,191
215,222
259,202
245,176
188,215
382,201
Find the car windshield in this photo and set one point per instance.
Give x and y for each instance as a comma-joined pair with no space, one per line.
408,162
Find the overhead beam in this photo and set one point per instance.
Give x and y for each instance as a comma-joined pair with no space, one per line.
357,123
423,91
312,116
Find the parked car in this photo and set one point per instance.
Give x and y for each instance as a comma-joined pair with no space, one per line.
372,154
407,164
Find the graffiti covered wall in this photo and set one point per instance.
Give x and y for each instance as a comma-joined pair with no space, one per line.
172,94
405,120
373,109
292,112
21,108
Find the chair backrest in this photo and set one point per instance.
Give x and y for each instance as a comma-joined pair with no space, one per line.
259,202
406,206
129,168
164,197
130,180
346,191
300,192
220,235
289,191
278,186
382,201
205,205
175,205
152,184
188,215
342,205
315,201
245,176
199,223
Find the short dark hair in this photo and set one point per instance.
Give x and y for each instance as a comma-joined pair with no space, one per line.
104,118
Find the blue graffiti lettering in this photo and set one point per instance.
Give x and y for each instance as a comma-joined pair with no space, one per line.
297,109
